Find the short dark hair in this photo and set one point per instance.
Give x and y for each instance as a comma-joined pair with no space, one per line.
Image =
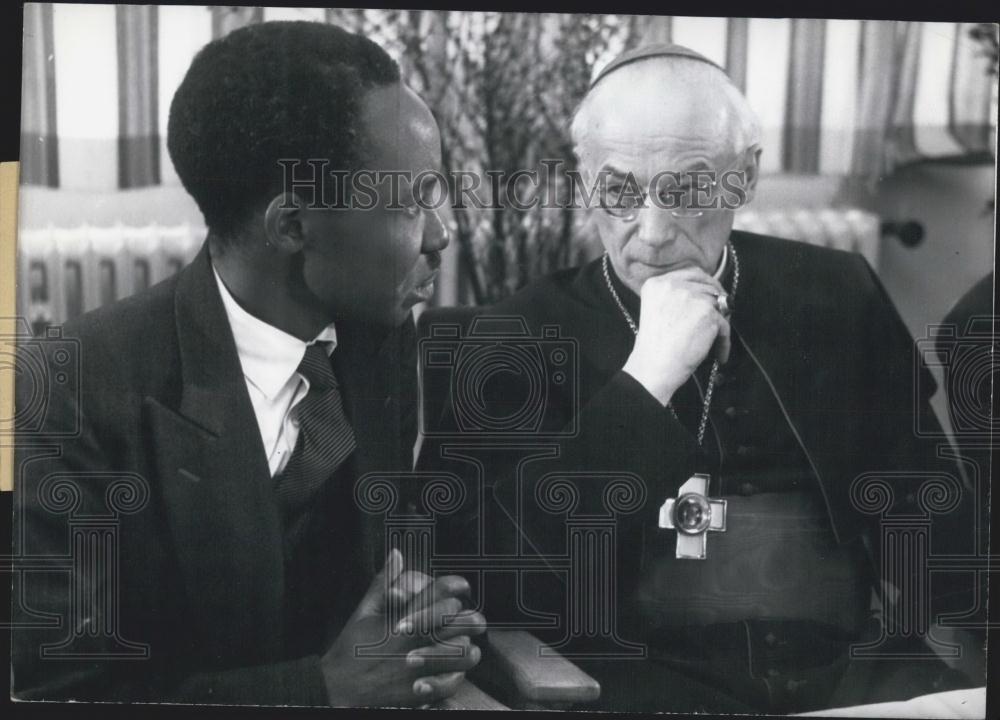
266,92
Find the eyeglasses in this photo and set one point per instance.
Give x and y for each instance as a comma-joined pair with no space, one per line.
687,194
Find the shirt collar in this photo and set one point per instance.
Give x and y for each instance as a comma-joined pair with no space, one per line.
269,356
722,263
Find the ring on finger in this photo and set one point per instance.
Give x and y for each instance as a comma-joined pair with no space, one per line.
723,304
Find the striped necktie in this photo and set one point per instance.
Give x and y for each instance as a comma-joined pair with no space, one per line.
325,440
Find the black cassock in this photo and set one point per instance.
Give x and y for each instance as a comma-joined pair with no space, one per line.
820,438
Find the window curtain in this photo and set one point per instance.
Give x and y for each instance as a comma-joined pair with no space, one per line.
803,113
924,92
851,97
138,93
836,97
226,18
39,140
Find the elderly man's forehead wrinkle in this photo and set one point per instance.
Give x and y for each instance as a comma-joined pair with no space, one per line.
639,148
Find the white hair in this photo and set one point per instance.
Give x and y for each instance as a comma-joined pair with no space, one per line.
744,125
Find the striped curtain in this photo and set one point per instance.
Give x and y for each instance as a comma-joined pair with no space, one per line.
850,97
227,18
835,97
39,140
138,116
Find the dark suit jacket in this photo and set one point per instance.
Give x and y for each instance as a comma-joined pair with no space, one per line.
161,404
828,339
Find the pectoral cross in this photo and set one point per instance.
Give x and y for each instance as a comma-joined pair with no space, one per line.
692,515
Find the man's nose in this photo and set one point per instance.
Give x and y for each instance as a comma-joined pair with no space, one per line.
656,225
436,234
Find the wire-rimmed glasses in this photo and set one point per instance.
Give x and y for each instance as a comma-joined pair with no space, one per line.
686,194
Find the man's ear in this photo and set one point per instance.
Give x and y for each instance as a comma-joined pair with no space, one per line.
283,224
752,172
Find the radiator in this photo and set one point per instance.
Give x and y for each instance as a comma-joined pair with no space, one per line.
64,272
843,228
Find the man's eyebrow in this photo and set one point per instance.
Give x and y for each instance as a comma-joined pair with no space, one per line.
700,163
611,169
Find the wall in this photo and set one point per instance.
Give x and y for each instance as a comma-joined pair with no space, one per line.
950,201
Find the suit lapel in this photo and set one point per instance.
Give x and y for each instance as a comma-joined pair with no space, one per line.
215,478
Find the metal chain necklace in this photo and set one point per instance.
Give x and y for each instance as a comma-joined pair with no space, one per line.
707,402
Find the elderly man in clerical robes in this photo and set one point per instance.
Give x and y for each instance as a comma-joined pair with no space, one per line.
758,399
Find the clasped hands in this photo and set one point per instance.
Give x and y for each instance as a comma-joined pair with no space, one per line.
422,659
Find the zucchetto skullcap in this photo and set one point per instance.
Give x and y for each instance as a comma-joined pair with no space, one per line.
651,51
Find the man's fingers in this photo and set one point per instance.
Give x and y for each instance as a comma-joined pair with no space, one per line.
397,597
377,599
422,620
437,687
409,584
448,586
445,587
467,622
413,582
457,655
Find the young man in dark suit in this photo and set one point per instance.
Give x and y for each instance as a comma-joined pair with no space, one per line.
222,418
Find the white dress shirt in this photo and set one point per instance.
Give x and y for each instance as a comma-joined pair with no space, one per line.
270,359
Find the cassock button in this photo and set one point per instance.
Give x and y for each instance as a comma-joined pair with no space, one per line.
744,451
747,488
731,412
